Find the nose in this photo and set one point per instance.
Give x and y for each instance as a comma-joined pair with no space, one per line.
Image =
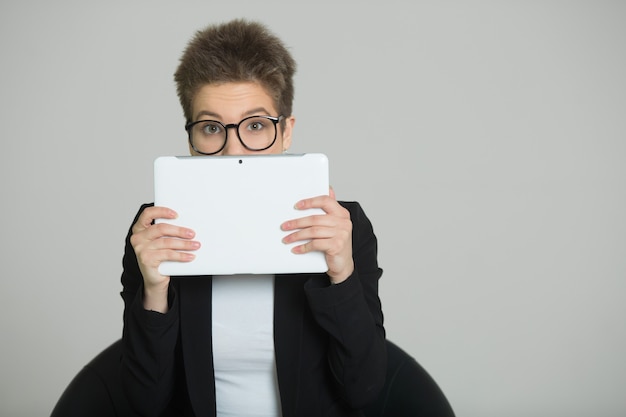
233,144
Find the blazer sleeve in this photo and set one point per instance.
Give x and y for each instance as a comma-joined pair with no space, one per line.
352,316
149,340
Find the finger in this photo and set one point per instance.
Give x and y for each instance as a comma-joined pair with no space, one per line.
324,202
331,192
331,247
310,221
178,256
168,230
319,220
150,214
157,231
166,249
153,258
175,244
310,233
154,237
339,234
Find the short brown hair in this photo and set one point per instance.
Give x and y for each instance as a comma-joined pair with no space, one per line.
236,51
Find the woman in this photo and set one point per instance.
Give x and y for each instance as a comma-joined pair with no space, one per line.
290,345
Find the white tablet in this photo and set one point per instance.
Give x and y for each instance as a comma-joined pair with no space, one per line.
236,205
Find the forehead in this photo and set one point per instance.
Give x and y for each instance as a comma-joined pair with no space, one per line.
230,100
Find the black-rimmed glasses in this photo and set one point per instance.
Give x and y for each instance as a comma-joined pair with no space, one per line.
256,133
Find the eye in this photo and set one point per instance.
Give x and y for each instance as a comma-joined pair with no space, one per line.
209,128
256,125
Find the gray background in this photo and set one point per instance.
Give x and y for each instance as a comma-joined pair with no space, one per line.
485,140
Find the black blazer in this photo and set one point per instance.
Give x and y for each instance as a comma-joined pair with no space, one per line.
329,340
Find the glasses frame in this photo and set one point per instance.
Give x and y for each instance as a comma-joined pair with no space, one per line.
235,126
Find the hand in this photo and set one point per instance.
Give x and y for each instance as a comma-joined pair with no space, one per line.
330,233
155,243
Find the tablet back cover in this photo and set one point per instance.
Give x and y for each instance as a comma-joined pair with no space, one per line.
236,205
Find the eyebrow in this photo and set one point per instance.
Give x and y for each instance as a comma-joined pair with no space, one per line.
255,111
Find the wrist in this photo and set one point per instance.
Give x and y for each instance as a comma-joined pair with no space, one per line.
338,278
155,299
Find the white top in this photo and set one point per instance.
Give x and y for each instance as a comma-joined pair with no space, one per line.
243,346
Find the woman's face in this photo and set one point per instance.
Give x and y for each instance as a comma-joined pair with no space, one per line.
230,103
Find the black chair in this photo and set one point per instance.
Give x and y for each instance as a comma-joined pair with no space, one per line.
409,390
96,391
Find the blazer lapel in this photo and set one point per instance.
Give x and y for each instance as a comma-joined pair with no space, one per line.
196,338
289,300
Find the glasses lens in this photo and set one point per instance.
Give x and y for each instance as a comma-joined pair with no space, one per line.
208,136
257,133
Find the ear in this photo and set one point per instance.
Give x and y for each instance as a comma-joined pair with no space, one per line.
287,132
